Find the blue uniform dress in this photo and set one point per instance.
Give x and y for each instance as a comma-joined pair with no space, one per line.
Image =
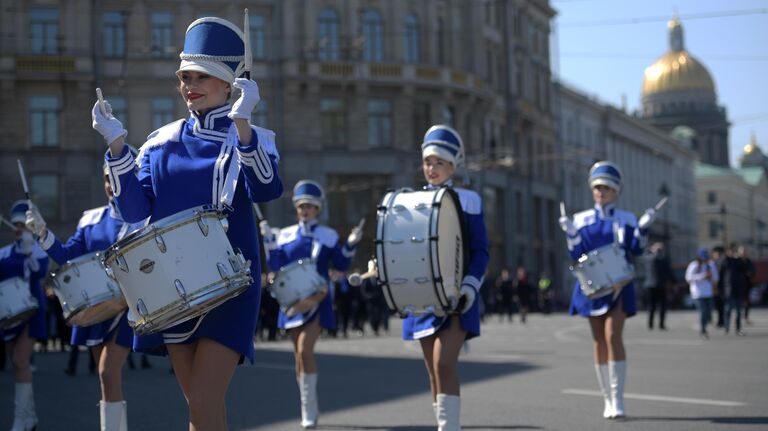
14,264
320,243
200,161
416,327
98,229
595,228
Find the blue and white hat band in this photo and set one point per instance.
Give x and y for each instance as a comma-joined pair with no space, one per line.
444,142
307,191
214,46
605,173
19,211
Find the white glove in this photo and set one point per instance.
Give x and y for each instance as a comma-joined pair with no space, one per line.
266,232
468,293
35,221
567,225
647,218
110,127
354,237
249,98
26,243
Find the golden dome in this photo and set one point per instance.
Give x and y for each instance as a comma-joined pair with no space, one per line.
752,146
676,70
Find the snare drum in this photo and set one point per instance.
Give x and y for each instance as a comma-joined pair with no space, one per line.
87,294
177,268
295,284
17,304
420,249
602,271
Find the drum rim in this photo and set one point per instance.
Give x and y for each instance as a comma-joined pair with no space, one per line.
381,217
92,302
443,191
239,284
164,225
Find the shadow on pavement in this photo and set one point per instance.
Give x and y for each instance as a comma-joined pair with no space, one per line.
729,420
344,382
421,428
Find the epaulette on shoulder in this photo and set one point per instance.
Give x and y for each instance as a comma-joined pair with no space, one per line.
91,216
169,133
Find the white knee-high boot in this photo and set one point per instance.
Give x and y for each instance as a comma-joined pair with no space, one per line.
603,380
448,412
434,410
618,371
309,409
113,416
24,416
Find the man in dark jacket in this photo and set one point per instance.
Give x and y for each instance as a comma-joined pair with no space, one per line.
732,273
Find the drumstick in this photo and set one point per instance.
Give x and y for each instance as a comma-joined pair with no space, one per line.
6,222
562,209
259,215
24,181
661,203
248,58
100,97
360,224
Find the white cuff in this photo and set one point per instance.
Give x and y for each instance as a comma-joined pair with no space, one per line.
47,241
472,281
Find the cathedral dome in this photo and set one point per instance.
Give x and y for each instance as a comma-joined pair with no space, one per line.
677,70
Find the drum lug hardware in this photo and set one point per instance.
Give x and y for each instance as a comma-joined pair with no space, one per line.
398,281
399,208
121,263
224,223
421,280
142,309
236,263
111,287
202,224
222,270
421,206
395,241
180,289
76,270
85,295
417,239
109,271
160,243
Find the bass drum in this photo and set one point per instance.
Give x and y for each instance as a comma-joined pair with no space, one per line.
420,250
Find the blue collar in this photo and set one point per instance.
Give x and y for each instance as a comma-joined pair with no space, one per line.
306,227
605,212
447,183
214,125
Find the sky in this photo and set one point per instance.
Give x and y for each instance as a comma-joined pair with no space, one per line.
602,47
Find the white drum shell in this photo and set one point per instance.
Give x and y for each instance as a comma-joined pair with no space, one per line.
17,304
196,272
296,281
603,270
87,294
418,245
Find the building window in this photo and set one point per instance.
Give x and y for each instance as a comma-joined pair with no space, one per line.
711,197
162,34
373,36
714,227
440,39
45,190
114,34
119,109
449,116
328,35
44,30
258,24
162,111
379,123
44,121
422,120
260,116
333,122
411,39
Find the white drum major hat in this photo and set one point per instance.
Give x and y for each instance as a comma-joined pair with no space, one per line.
214,46
444,142
19,211
605,173
308,191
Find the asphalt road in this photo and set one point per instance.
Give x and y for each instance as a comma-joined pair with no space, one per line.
534,377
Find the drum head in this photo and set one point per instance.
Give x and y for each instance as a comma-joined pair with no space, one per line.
306,304
450,246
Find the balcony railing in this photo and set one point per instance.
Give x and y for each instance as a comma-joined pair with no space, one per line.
45,63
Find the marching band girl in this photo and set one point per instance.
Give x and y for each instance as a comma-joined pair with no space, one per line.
590,229
109,341
214,157
441,338
309,240
24,258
